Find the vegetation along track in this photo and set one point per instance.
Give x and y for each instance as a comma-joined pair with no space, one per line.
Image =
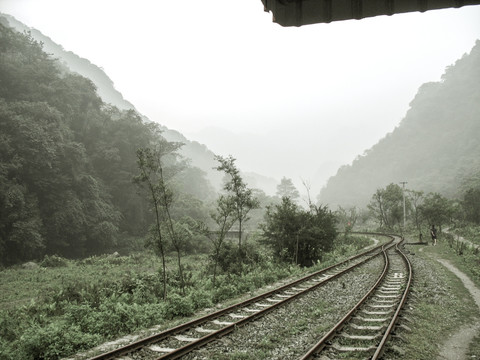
362,333
176,342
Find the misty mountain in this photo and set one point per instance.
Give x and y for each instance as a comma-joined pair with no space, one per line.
73,62
199,154
435,148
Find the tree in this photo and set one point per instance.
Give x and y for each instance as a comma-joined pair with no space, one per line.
471,205
287,189
387,205
224,217
436,209
298,235
346,218
282,228
154,175
241,196
416,200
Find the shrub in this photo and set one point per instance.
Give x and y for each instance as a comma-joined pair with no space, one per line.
53,341
177,305
54,261
225,291
201,299
235,260
114,317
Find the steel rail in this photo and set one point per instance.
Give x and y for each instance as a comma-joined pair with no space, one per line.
137,345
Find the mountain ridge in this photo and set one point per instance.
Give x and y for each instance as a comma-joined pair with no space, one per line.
435,148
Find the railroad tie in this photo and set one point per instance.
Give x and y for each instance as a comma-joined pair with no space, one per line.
368,327
157,348
262,305
392,286
236,316
387,296
340,348
396,276
371,319
361,337
381,306
299,289
377,312
224,323
185,338
251,310
274,300
388,292
384,301
205,331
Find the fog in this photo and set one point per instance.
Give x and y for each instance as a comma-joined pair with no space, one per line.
294,102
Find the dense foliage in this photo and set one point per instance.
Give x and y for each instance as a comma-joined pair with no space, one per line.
297,235
67,160
423,210
435,148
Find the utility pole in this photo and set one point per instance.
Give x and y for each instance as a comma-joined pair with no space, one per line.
404,215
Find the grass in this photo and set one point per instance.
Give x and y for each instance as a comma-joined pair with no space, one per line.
440,304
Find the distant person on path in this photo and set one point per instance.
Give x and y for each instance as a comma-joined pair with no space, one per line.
433,232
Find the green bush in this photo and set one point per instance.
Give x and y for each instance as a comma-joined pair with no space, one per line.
115,317
201,299
225,291
178,305
235,260
53,341
54,261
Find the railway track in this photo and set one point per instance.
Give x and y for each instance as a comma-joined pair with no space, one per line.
179,341
363,332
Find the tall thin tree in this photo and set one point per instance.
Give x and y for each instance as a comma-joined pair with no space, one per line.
242,196
152,174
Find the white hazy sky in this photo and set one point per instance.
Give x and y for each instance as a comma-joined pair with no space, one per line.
295,102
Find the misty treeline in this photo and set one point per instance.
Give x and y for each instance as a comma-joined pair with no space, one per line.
435,147
423,210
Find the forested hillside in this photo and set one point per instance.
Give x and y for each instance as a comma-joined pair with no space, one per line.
199,154
436,147
67,160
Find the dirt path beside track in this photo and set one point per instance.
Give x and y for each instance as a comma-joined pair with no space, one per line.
456,347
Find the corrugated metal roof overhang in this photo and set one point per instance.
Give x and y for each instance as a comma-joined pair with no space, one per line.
304,12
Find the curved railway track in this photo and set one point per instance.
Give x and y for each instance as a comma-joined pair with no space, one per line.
179,341
363,332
